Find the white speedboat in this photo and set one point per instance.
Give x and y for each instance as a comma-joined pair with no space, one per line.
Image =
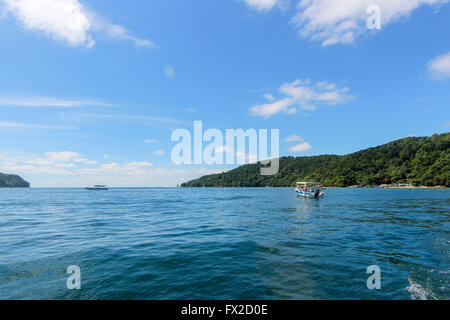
97,187
312,190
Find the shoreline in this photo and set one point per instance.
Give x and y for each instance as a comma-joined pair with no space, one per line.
421,187
326,187
410,187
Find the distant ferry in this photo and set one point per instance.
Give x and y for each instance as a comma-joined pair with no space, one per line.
309,190
97,187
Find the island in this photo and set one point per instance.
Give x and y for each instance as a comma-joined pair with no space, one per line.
413,161
12,181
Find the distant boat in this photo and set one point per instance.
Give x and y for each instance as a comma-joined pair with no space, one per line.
97,187
309,190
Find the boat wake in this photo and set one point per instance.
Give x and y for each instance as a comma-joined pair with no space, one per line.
418,292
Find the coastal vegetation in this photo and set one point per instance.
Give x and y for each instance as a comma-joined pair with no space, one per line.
423,161
12,181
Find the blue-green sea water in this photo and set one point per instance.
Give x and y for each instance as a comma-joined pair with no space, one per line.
224,243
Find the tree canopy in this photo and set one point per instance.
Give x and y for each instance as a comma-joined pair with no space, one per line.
12,181
423,161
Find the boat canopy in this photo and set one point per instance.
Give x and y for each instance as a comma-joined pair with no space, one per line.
308,184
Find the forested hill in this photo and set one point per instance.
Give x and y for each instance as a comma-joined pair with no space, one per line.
12,181
423,161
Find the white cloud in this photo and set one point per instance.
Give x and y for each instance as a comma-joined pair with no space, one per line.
169,71
85,161
147,120
45,163
59,169
269,96
343,21
304,96
62,156
49,102
63,159
133,168
147,177
439,67
294,138
13,125
136,167
240,156
24,169
261,5
119,32
51,163
127,168
66,20
151,141
303,147
159,153
223,149
246,158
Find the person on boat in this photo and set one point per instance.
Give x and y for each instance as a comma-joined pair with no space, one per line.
317,193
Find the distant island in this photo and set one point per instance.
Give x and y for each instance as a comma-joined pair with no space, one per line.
411,161
12,181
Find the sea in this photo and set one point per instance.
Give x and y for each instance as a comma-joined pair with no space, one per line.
242,243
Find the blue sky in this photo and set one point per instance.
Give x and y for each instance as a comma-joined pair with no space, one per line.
90,90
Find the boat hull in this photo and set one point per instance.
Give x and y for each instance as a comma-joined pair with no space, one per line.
309,195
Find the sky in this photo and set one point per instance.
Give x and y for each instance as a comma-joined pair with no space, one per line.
91,90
